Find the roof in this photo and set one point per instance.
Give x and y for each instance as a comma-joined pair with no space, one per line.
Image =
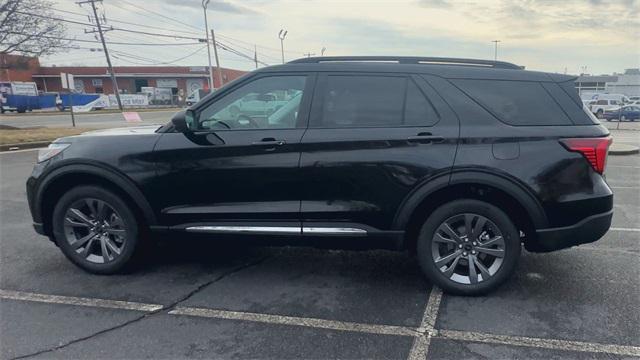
596,78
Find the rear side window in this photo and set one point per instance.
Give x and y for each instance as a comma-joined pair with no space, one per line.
374,101
516,103
418,110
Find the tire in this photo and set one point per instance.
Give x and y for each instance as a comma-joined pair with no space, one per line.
600,114
623,118
115,212
431,245
21,110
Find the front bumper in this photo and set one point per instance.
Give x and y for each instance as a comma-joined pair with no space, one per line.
586,231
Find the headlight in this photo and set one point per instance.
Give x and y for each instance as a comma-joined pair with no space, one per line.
51,151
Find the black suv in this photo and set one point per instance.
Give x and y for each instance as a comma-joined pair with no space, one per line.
458,161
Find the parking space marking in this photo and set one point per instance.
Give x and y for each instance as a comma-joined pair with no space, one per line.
623,166
421,343
624,187
295,321
552,344
78,301
624,229
18,151
422,335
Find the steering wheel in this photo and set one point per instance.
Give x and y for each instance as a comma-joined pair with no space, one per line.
246,119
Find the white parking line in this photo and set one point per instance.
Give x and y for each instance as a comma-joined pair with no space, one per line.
552,344
623,166
421,343
625,187
295,321
624,229
18,151
78,301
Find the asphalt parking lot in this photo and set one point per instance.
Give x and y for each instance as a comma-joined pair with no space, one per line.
211,300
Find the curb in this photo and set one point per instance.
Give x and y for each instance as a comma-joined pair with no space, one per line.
97,112
623,149
26,145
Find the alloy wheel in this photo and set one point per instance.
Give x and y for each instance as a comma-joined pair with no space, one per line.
95,231
468,248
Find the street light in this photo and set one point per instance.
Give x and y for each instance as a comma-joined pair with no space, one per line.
281,36
206,32
495,53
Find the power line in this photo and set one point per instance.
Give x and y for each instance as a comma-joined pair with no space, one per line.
160,15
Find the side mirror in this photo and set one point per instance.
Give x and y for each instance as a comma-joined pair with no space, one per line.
183,121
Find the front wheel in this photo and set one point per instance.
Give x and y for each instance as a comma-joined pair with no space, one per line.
468,247
95,229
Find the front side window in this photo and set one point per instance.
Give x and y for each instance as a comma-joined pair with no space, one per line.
270,102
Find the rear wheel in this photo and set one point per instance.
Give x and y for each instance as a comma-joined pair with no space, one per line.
623,118
95,229
600,114
468,247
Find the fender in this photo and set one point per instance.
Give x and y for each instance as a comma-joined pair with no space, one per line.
501,181
100,170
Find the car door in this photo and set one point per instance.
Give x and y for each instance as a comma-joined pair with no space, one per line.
238,166
372,139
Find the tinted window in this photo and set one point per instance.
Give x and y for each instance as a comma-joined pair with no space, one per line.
361,101
576,111
265,103
418,110
601,102
515,102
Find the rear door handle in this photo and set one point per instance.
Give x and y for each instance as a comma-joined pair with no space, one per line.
425,138
269,142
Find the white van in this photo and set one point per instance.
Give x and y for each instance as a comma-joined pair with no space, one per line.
619,97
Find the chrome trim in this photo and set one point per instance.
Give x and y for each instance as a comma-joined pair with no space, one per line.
245,229
278,229
333,230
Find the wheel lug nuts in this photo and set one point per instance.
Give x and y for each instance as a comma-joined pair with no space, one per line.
464,253
475,243
460,246
473,252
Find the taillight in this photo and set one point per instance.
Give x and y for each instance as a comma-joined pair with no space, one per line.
593,149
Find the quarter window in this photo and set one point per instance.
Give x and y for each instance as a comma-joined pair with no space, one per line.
266,103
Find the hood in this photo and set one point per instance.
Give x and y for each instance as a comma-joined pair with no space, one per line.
134,130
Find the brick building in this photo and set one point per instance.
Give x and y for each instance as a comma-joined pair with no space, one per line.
96,79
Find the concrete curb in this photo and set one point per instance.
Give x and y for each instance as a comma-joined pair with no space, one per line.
623,149
22,146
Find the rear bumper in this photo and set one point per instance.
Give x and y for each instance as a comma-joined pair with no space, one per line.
586,231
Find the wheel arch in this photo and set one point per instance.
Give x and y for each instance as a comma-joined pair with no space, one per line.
498,189
62,179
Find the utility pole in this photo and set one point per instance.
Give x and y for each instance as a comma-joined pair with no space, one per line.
215,53
106,52
255,54
322,51
281,36
495,51
206,32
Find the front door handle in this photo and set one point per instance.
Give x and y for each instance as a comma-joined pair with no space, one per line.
425,138
269,142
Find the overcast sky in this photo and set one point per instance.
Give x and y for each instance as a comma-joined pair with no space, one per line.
548,35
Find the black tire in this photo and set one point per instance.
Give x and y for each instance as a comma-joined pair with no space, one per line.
125,216
21,110
600,114
453,210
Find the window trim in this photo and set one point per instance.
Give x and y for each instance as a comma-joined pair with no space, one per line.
317,109
303,116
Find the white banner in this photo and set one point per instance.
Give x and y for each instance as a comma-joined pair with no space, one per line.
108,102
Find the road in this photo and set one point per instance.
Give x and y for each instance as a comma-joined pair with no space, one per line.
87,120
205,299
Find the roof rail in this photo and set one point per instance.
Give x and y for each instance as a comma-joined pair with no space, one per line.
408,60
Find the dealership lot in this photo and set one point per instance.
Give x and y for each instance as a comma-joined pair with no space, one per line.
204,299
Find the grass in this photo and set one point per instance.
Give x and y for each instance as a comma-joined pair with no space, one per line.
17,136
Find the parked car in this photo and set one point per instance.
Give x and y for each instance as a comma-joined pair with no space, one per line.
600,106
625,113
457,161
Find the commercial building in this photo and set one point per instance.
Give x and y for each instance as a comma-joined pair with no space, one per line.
95,79
627,83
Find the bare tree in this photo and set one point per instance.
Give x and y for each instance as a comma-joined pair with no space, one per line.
28,27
